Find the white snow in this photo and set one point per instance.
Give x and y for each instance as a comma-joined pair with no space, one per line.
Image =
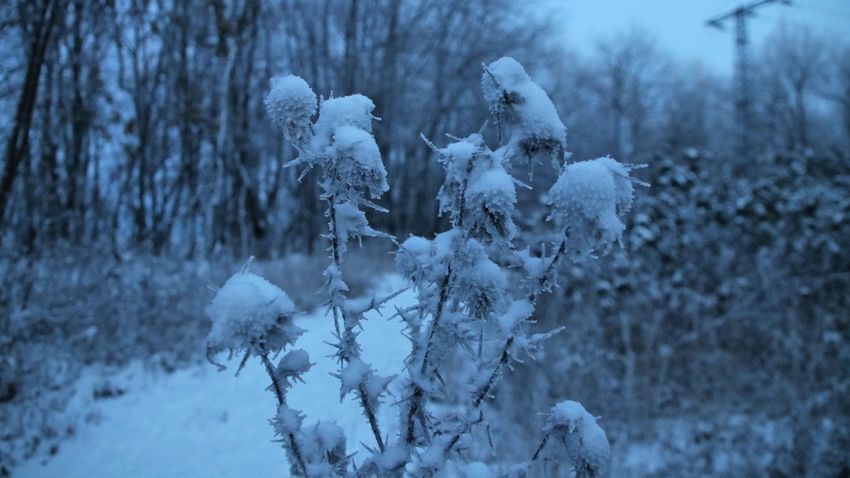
199,422
352,376
364,167
518,311
358,145
351,223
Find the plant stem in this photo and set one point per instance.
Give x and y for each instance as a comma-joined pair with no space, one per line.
281,401
339,311
504,356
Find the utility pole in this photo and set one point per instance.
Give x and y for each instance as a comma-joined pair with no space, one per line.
743,95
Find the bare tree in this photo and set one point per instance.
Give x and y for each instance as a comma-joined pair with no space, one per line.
794,64
628,79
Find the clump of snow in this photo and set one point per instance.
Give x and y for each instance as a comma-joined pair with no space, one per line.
490,201
323,448
412,258
353,110
589,201
334,279
521,105
579,438
287,421
292,366
252,314
291,103
358,374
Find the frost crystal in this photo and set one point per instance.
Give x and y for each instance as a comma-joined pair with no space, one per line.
250,313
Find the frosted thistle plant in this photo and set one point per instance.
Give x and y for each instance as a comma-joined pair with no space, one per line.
477,291
339,143
251,315
291,103
462,276
588,203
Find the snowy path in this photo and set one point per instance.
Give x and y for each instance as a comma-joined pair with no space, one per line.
199,422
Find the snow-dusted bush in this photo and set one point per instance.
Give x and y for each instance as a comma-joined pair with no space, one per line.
477,291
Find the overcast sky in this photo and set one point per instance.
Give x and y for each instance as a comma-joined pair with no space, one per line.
679,25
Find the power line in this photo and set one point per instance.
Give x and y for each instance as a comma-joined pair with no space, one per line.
740,15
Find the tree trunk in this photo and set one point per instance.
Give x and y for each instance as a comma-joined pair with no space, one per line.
17,147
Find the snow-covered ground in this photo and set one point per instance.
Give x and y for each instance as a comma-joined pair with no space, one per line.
200,422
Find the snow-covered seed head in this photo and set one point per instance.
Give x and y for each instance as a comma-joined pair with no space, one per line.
579,439
519,104
292,366
413,258
357,161
353,110
251,314
323,445
489,204
480,284
589,201
291,103
478,193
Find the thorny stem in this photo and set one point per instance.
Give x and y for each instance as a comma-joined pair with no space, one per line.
540,447
418,393
504,357
276,386
281,401
503,360
444,292
370,414
338,311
